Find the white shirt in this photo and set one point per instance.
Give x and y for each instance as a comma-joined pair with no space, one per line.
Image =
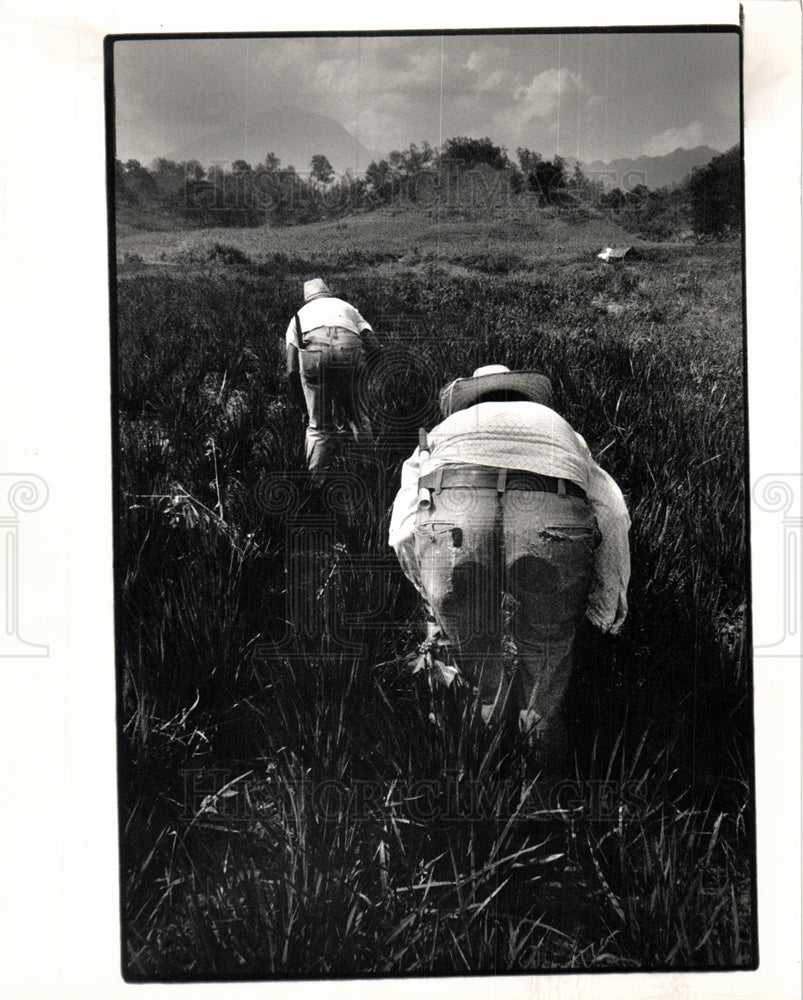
532,437
326,311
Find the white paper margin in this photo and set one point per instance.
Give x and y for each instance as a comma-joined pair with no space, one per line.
59,923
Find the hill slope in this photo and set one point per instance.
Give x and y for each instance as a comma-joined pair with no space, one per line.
413,236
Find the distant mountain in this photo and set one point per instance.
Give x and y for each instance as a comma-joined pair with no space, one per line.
295,136
652,171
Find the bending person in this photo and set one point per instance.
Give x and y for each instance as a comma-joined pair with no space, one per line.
511,533
326,342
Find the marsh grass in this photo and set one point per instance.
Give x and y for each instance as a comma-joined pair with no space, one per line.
292,801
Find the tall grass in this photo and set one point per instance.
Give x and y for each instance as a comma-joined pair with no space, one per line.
293,801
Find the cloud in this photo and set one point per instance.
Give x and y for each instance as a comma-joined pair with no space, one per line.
333,77
540,98
390,91
409,65
378,125
669,140
528,106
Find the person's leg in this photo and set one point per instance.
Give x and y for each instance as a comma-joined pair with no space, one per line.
360,421
319,425
346,388
549,557
458,561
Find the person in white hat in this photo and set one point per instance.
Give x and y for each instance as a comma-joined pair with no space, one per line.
512,533
326,342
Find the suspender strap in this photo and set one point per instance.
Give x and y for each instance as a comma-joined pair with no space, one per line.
561,487
501,481
299,340
424,493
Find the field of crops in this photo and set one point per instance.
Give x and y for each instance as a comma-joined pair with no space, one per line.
292,801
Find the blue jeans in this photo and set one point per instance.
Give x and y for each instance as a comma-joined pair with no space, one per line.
506,576
330,365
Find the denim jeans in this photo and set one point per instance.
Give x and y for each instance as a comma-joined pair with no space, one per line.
331,364
506,576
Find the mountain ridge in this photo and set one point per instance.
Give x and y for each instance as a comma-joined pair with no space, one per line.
652,171
295,136
292,134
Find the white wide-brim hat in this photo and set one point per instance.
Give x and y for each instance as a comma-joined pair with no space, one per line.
315,289
465,392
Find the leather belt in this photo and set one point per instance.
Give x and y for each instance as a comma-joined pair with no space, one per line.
487,477
331,331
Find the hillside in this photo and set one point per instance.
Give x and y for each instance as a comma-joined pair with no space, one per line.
468,181
413,236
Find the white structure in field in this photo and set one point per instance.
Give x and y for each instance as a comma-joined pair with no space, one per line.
614,253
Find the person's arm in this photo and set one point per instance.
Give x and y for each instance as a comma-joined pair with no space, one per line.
370,342
292,366
607,598
366,332
401,535
369,338
294,377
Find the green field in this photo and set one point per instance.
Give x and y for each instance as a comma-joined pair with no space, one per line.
235,711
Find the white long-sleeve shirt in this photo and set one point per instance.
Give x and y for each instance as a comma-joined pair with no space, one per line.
531,437
326,311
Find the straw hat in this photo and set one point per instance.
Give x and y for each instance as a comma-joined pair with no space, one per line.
464,392
315,289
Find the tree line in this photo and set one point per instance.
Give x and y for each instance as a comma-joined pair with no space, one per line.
463,171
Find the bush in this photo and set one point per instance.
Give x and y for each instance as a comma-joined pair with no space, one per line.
228,255
499,263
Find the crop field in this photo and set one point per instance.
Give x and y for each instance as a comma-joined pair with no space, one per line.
293,801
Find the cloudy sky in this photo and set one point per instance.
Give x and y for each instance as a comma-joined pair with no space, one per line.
592,96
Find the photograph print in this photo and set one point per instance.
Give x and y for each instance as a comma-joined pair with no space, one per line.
432,612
